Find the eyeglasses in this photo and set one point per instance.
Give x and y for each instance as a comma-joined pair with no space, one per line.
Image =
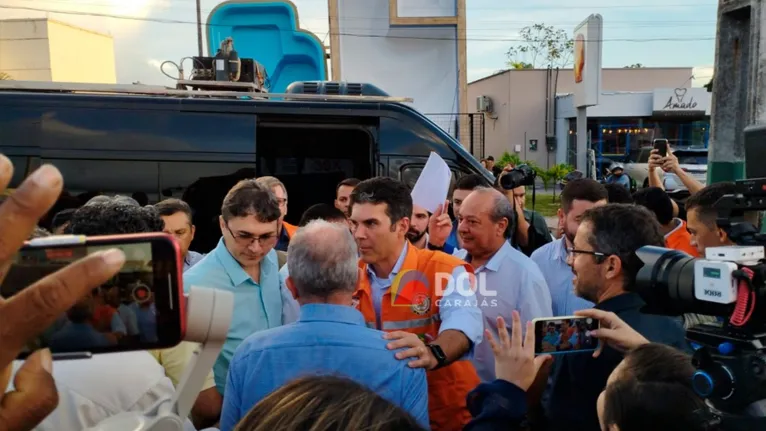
599,256
246,239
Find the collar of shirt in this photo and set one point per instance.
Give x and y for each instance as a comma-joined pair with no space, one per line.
679,225
234,269
493,264
283,241
560,250
397,267
623,302
192,257
331,313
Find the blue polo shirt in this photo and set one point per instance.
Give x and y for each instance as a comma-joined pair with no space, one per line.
257,306
327,339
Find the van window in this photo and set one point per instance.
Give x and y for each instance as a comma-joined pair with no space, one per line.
22,167
86,178
78,128
202,185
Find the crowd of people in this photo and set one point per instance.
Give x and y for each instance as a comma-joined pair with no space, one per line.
320,338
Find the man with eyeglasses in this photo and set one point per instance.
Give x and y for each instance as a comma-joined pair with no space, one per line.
577,197
604,264
245,263
285,230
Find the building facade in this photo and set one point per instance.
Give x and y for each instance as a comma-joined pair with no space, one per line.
49,50
624,122
522,110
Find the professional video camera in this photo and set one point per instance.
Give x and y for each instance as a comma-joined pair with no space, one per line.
522,175
729,283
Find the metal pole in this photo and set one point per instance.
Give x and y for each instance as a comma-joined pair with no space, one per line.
582,140
470,119
199,28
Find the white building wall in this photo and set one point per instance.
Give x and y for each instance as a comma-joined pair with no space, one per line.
416,62
426,8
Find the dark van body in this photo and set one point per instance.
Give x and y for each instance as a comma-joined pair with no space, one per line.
153,147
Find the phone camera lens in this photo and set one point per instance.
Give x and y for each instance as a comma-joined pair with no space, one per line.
589,321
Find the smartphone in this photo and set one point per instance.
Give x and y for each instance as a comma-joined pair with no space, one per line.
567,334
661,145
140,308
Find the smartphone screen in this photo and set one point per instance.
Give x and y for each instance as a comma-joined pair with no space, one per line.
567,334
140,308
661,145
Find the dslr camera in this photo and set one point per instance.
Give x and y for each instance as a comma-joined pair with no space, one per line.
522,175
730,283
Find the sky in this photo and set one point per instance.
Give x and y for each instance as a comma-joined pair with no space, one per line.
655,33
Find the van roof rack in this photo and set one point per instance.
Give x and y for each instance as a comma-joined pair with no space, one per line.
248,90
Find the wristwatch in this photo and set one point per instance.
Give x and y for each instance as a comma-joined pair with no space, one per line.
441,358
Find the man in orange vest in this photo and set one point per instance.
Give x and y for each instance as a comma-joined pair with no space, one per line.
423,299
286,230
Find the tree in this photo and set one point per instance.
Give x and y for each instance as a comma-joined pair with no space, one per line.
520,65
542,46
634,66
5,77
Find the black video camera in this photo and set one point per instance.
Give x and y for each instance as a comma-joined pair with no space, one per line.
730,283
522,175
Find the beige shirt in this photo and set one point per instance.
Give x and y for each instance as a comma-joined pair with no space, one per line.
175,360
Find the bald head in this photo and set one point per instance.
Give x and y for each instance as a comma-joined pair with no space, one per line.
486,218
322,258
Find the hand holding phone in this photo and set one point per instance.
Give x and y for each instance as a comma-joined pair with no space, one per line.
612,331
140,308
565,334
515,362
661,145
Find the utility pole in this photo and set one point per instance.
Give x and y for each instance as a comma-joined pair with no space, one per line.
739,85
199,28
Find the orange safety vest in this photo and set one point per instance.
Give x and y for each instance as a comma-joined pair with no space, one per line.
418,313
289,228
680,239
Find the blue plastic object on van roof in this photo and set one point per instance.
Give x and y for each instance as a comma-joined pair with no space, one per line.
268,32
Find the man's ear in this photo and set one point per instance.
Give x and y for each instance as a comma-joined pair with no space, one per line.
221,223
193,230
723,237
613,266
291,287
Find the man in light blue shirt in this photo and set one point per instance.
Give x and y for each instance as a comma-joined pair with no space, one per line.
329,338
507,279
577,197
245,263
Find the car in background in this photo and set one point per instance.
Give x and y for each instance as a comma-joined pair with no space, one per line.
691,160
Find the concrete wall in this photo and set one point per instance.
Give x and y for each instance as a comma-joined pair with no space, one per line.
79,55
24,49
519,101
419,62
48,50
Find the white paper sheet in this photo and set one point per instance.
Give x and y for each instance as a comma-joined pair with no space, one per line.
432,186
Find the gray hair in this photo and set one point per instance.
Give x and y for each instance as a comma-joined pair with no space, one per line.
271,182
323,259
501,208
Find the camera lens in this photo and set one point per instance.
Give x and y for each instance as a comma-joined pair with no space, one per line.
666,283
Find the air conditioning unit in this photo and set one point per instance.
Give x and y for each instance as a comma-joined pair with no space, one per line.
483,104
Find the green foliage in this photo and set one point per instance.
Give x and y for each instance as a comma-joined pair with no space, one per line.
709,86
520,65
542,46
507,158
634,66
5,77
